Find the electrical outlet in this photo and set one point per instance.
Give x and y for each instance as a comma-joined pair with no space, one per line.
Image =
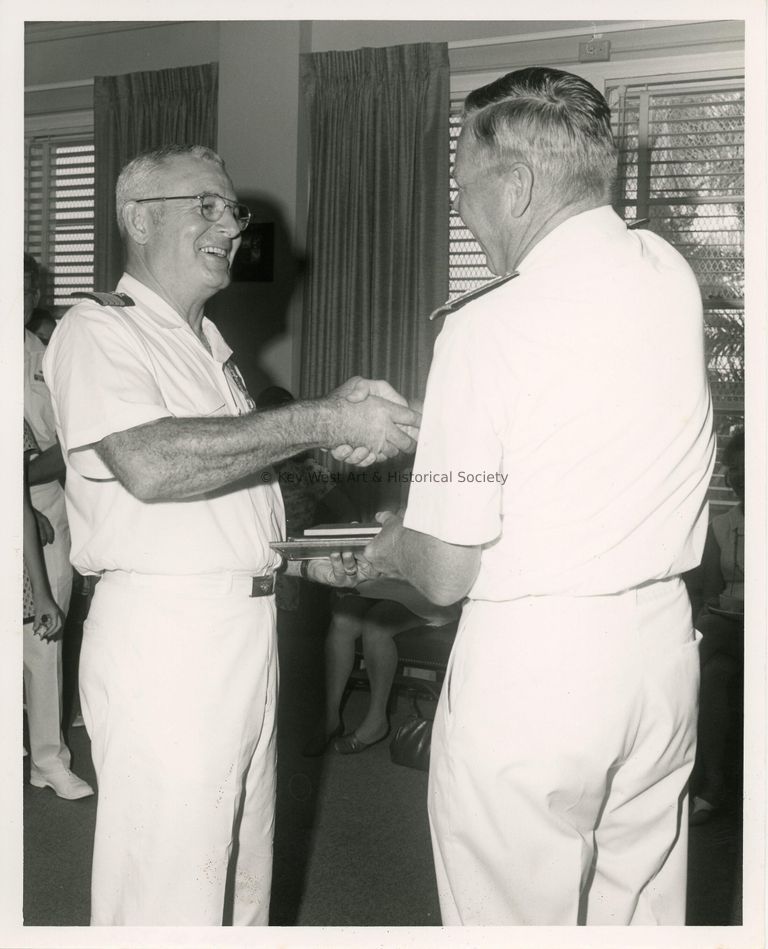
595,51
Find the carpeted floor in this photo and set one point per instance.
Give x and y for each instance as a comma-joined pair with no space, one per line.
352,843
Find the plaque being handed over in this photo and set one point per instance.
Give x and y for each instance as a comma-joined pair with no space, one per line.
326,539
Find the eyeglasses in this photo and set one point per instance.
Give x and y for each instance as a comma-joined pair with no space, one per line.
212,207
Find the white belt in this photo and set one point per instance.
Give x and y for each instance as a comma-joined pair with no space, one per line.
205,584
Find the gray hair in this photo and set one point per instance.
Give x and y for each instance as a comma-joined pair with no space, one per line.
137,178
553,120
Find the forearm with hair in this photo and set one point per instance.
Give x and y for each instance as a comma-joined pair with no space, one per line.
176,458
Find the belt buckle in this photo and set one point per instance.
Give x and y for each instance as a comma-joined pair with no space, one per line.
263,586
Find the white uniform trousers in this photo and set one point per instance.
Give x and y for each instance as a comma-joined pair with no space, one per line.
178,681
42,660
561,750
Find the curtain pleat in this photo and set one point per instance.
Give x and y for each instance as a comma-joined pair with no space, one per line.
377,240
134,113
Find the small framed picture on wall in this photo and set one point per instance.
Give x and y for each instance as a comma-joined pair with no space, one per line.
255,260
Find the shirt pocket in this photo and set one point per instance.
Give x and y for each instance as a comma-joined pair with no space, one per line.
197,401
220,408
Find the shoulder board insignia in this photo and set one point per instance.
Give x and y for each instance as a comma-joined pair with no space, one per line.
106,299
458,302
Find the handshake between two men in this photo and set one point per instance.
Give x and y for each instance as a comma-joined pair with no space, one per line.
375,422
382,425
442,573
379,424
176,458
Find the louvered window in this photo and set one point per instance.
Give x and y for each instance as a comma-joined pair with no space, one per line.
59,203
682,168
466,263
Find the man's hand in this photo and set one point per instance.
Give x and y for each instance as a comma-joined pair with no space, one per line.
375,422
49,620
361,457
340,570
382,552
357,389
44,528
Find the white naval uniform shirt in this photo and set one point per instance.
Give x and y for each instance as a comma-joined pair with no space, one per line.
567,425
112,368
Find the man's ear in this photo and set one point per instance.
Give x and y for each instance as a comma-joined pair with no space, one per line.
519,188
138,222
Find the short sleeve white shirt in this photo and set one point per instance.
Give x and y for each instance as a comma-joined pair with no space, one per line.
567,427
113,368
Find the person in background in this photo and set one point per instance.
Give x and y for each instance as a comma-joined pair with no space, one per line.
49,756
376,622
40,608
42,323
720,620
173,504
567,430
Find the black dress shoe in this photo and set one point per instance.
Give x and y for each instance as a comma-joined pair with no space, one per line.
318,744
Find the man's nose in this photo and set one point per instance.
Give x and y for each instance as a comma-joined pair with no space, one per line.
228,223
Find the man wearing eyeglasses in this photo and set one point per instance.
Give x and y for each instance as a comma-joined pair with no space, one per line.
172,503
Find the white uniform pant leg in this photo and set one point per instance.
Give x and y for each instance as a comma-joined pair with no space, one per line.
42,665
178,695
640,873
253,865
545,702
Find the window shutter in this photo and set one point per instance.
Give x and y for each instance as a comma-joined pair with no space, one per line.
466,263
59,195
682,167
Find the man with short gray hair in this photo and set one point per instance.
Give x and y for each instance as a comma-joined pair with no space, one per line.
173,504
138,177
568,431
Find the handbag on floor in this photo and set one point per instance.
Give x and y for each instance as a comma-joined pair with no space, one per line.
411,743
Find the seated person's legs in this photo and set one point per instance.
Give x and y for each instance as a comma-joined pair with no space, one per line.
344,628
380,624
377,622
